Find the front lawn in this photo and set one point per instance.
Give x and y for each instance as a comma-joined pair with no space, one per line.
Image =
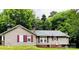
32,48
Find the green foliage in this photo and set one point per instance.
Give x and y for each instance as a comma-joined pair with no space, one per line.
15,17
47,25
66,21
43,17
24,17
52,13
42,24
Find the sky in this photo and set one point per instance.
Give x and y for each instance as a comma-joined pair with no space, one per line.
40,12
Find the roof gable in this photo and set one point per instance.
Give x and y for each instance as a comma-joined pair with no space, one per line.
16,28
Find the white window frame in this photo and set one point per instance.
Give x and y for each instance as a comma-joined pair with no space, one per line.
21,39
43,39
28,37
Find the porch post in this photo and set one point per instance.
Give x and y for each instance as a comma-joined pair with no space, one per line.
2,41
2,38
50,41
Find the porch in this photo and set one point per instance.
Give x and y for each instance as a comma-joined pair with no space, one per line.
51,41
1,40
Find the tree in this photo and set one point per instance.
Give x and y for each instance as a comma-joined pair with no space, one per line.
43,17
47,25
52,13
68,22
15,17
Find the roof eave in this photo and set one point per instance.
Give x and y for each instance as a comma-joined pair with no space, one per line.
15,28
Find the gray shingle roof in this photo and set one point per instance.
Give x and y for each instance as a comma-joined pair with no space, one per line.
50,33
39,32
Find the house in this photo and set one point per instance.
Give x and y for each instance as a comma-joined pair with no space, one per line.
20,35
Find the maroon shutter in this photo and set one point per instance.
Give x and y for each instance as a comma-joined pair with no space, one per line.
25,38
31,38
17,38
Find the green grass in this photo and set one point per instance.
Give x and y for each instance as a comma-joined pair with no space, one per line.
32,48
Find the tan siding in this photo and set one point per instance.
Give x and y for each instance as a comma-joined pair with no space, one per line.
63,40
54,41
11,37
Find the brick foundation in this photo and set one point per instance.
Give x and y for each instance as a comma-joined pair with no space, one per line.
49,46
56,46
43,46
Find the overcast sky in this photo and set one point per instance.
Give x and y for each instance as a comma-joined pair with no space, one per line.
40,12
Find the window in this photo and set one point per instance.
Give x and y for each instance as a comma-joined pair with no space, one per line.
38,40
41,40
44,40
24,38
55,38
47,40
19,38
28,39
